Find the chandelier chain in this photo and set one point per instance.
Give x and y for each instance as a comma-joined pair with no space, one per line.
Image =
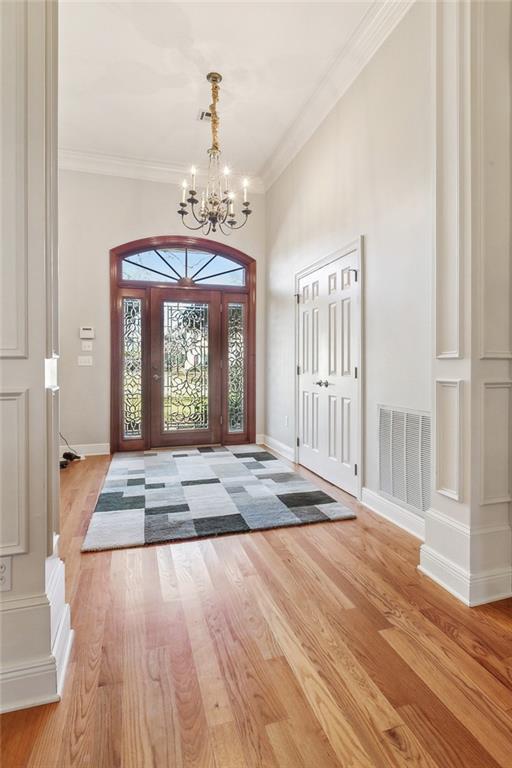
215,117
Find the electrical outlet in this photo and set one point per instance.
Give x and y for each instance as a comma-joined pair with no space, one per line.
5,573
86,346
84,359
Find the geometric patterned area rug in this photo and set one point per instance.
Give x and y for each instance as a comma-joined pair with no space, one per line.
171,495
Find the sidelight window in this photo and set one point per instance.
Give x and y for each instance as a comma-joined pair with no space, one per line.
132,368
236,367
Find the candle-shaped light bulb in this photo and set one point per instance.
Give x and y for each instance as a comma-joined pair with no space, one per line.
245,185
183,190
226,178
193,174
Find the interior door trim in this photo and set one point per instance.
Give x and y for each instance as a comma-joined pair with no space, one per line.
118,288
356,245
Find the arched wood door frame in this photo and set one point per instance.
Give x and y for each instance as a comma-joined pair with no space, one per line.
120,288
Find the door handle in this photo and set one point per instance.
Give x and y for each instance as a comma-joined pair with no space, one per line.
156,376
318,383
326,383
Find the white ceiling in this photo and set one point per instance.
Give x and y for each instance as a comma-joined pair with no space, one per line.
132,75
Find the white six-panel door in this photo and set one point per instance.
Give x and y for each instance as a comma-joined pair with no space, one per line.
328,370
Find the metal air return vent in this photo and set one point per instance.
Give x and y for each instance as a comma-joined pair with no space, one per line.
405,456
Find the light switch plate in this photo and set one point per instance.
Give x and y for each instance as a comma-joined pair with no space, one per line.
84,359
5,573
86,346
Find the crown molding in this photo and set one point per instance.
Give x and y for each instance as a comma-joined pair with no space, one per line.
375,27
133,168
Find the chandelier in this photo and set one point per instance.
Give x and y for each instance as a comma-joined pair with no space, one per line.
214,207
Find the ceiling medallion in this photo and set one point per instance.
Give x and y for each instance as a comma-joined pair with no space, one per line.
213,208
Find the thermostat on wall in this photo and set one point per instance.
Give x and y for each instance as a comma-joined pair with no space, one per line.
86,332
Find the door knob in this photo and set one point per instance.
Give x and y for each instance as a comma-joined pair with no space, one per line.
156,376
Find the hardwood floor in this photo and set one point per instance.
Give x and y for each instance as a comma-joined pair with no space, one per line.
314,647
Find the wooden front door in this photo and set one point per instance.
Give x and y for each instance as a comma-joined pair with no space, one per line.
186,344
183,344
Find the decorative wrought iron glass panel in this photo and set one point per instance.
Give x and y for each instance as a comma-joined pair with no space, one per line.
236,368
185,367
182,266
132,368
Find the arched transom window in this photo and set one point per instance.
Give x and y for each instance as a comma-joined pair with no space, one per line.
183,267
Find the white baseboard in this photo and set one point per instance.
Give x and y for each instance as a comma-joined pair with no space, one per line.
471,588
459,558
276,445
61,649
60,616
88,449
37,630
38,681
404,518
28,685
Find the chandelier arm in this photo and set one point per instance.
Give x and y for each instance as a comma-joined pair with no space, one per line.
205,227
193,210
224,231
242,224
188,226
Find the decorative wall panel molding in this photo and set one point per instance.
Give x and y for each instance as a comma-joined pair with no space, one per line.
14,472
468,546
452,68
449,438
496,448
53,484
51,170
492,236
13,206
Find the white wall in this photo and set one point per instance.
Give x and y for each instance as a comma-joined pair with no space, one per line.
96,213
367,170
